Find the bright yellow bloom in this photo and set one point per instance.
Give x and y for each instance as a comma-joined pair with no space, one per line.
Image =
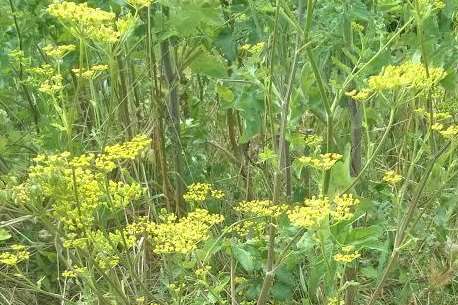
311,214
90,73
52,86
360,96
183,236
324,162
199,192
176,235
437,116
437,126
347,255
140,3
17,254
264,208
335,301
94,23
406,75
450,133
249,228
392,177
74,271
343,206
357,27
58,51
77,187
254,50
313,140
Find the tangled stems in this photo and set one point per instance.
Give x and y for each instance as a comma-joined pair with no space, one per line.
374,154
402,229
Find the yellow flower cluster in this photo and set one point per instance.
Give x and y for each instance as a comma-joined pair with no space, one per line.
313,140
94,23
199,192
392,177
52,85
317,209
435,4
183,236
203,271
449,133
347,255
75,271
335,301
46,79
311,214
45,71
249,228
58,52
124,151
264,208
78,187
17,254
324,162
103,246
437,116
360,96
342,207
176,235
251,49
140,3
406,75
357,27
18,56
91,73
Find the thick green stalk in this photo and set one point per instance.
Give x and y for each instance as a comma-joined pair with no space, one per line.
173,109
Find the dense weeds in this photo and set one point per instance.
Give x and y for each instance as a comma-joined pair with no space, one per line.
228,152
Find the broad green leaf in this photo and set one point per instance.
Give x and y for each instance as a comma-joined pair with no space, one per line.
4,234
340,173
208,64
243,257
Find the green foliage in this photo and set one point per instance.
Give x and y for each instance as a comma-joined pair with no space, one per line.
293,152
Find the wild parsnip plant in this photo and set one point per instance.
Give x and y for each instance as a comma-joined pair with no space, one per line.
237,152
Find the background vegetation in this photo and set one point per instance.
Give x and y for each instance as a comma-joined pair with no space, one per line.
228,152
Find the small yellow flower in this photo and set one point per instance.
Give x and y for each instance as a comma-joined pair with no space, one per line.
176,235
347,255
75,271
437,126
343,206
392,177
313,140
93,23
17,254
312,213
203,271
357,27
450,133
58,51
140,3
253,50
406,75
324,162
335,301
199,192
264,208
